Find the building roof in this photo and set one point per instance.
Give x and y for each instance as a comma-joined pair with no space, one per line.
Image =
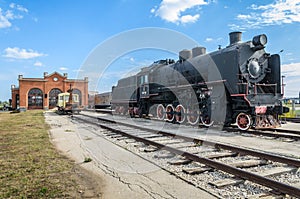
47,76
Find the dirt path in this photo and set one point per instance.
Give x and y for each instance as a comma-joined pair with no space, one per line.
89,184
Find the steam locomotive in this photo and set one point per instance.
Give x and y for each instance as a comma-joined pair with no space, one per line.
239,84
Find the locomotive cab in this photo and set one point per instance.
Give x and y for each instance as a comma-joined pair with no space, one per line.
143,86
143,92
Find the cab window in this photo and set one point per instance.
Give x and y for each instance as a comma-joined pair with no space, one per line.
144,79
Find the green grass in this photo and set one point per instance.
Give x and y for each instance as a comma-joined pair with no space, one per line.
86,159
30,167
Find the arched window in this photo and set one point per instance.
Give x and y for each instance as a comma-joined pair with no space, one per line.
53,97
35,99
78,92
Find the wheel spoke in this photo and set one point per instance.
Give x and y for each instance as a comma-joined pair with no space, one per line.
243,121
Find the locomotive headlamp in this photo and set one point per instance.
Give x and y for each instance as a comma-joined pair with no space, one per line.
254,68
260,40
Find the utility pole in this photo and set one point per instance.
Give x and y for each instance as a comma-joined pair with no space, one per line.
282,85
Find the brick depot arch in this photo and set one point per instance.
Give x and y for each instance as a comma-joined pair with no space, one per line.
78,92
35,99
53,97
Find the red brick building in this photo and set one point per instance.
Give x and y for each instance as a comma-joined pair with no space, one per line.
41,93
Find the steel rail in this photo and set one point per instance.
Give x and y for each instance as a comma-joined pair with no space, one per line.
275,185
267,156
294,120
292,134
284,133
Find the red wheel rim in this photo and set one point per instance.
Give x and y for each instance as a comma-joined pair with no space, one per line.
243,121
170,113
206,121
193,117
180,113
160,111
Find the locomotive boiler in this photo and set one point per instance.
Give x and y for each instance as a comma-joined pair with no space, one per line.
239,84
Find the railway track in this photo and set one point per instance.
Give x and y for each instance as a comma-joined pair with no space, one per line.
195,157
291,135
294,120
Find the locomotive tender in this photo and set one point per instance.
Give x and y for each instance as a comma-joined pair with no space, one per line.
238,84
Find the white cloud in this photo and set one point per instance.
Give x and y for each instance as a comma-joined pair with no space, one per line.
18,7
7,16
173,10
290,70
292,78
209,39
189,18
4,20
152,10
17,53
280,12
63,68
38,63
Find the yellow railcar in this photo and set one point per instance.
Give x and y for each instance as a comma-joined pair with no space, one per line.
65,105
294,105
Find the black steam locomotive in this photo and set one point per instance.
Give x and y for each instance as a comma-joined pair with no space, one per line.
238,84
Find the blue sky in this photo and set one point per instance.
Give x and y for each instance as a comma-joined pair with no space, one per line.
59,35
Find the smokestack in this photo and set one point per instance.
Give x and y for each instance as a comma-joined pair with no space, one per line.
235,37
198,51
185,54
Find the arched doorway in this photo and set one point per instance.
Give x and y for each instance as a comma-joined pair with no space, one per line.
78,92
35,99
53,97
